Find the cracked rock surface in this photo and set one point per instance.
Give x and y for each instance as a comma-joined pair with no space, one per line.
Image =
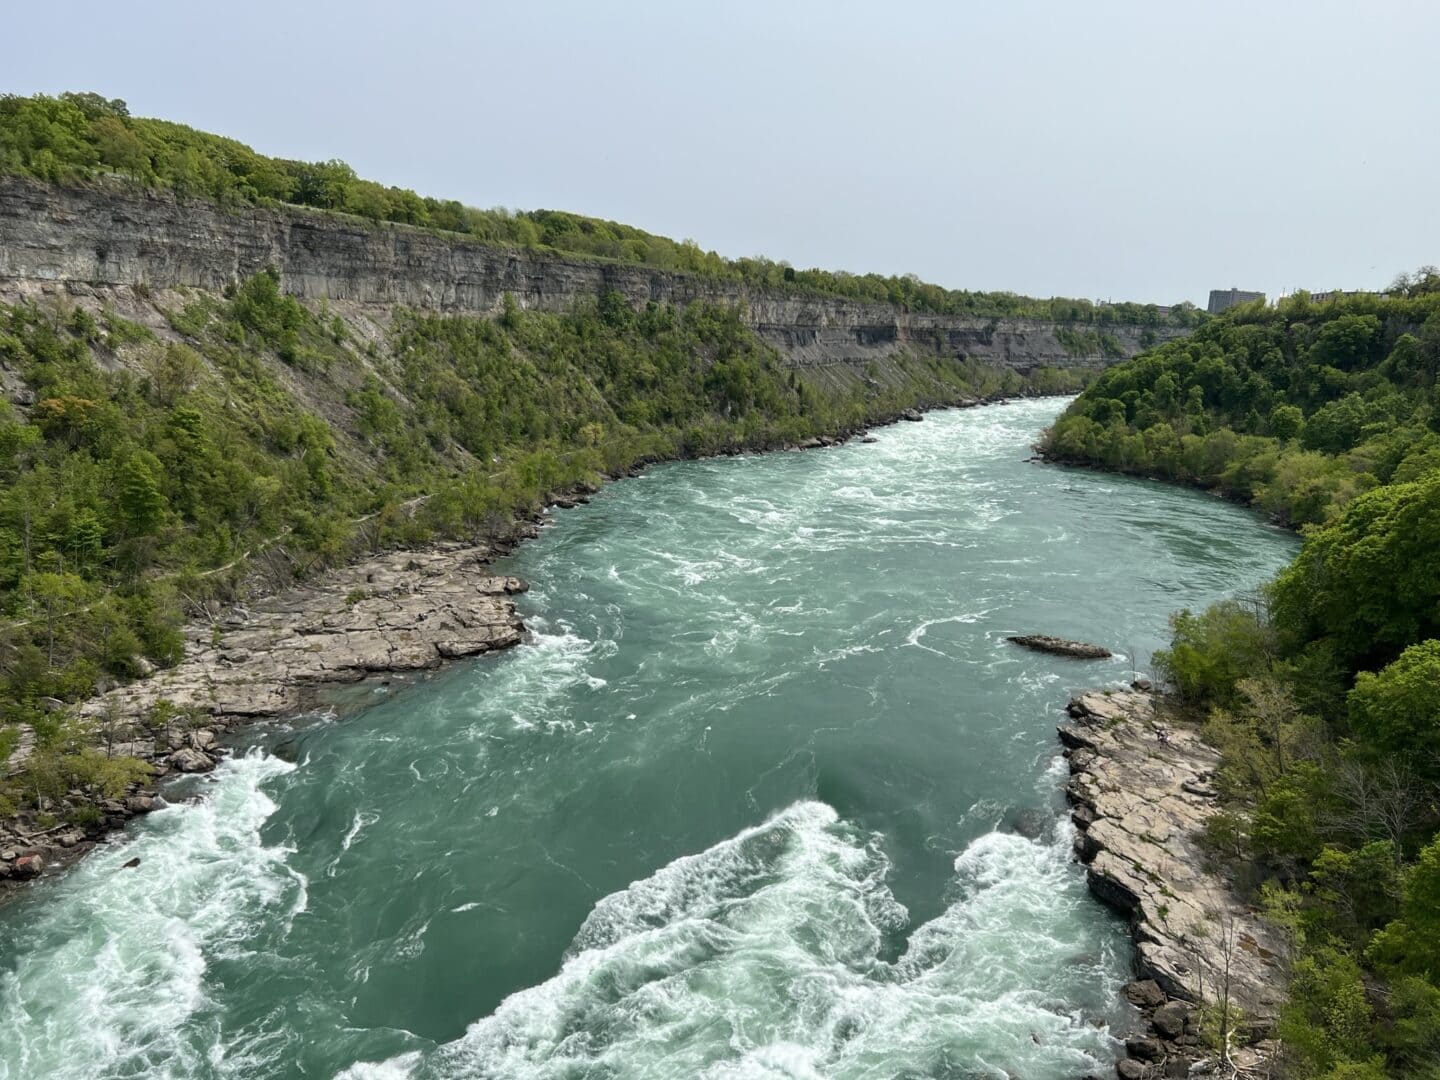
399,612
1141,795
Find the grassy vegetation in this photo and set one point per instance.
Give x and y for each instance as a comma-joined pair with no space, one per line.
147,467
1322,694
77,136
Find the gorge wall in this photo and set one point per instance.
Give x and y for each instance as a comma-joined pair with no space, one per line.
114,235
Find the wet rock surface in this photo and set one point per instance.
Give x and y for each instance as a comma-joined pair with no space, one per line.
1140,795
1060,646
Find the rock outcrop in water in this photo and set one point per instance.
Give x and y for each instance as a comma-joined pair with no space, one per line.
1141,795
1060,646
109,236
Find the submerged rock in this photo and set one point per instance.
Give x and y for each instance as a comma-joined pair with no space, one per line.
1060,646
1029,822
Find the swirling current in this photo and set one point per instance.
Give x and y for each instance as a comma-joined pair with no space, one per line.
744,807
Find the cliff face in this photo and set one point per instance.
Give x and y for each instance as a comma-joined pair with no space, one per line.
114,236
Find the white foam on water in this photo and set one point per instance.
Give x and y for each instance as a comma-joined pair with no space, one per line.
763,957
528,693
109,968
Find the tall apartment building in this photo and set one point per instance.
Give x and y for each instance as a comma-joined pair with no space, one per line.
1220,299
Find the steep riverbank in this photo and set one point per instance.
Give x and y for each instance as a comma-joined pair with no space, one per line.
388,617
1140,790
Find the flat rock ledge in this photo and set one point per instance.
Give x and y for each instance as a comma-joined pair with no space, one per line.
391,615
1140,792
1080,650
398,612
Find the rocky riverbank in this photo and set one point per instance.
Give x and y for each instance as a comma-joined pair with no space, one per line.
390,616
1140,791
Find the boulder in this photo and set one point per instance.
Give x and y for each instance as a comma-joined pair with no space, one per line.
139,804
1169,1019
204,739
1144,993
913,415
1144,1048
29,866
1130,1069
189,760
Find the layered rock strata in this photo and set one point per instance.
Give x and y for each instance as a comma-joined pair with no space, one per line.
1141,793
112,235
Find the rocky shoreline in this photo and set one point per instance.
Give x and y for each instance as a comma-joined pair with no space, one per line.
390,616
1140,795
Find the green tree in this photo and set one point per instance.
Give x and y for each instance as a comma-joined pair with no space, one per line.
1286,421
1411,943
141,502
1367,585
1210,653
1397,710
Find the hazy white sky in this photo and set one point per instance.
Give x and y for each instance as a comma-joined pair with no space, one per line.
1138,150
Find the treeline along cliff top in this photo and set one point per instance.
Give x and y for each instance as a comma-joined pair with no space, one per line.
78,136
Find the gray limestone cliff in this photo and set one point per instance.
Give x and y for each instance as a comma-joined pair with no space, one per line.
113,235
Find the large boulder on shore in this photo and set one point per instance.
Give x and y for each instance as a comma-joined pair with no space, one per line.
29,866
189,760
1060,646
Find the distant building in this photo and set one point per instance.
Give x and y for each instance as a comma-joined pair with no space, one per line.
1336,294
1220,299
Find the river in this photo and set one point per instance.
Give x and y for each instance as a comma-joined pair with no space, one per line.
742,808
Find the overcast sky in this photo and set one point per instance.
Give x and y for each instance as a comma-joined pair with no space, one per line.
1140,150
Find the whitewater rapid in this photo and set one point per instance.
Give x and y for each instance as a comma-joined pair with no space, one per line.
765,957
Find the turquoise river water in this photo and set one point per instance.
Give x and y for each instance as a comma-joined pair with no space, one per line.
740,810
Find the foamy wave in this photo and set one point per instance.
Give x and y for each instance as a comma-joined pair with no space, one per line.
763,956
132,946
